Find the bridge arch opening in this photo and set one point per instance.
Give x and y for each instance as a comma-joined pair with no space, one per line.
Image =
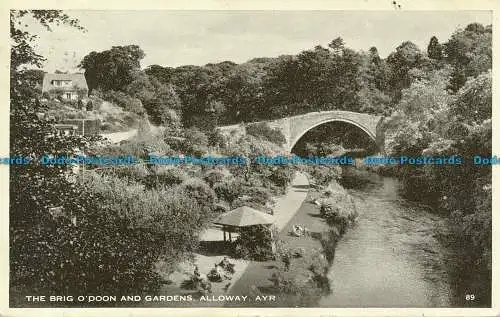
332,135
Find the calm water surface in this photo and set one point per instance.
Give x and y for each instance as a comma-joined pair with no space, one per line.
393,256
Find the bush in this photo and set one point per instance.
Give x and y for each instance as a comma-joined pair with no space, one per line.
170,176
263,131
195,143
135,230
258,195
216,138
214,177
137,173
338,212
124,101
228,190
147,218
142,145
324,175
304,282
198,190
255,243
253,204
281,176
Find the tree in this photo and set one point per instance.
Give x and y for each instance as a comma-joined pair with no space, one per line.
431,120
35,189
337,45
68,237
469,51
112,69
373,81
172,123
406,57
473,105
318,79
374,55
434,49
420,111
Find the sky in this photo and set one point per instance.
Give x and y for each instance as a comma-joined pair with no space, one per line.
174,38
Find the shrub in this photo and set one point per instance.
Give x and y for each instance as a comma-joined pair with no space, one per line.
281,176
228,190
338,212
304,282
136,229
257,194
195,143
216,138
172,122
253,204
189,207
124,101
170,176
175,143
213,177
263,131
142,145
255,243
137,173
198,190
324,175
107,127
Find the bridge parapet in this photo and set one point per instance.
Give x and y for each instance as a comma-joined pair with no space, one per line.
294,127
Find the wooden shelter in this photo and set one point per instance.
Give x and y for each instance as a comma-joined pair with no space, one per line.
243,216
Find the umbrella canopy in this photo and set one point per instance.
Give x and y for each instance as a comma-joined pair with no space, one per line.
244,216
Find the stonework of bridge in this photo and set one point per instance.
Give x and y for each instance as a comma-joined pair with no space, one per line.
293,128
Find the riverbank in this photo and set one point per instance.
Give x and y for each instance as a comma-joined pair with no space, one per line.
316,249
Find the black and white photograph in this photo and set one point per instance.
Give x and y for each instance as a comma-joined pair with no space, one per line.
250,158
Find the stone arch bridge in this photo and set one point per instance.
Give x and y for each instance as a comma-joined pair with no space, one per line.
293,128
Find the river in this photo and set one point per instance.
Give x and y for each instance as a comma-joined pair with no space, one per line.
393,256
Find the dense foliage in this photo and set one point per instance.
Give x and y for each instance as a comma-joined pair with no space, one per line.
447,111
110,228
264,131
51,221
255,243
303,281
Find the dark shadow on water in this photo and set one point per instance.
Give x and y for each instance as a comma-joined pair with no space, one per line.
354,182
211,248
269,267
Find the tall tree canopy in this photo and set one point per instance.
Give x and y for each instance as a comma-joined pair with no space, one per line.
434,49
469,51
112,69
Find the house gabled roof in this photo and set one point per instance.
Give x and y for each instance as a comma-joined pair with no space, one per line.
78,81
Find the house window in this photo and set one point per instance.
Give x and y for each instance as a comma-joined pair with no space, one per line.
61,83
68,95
